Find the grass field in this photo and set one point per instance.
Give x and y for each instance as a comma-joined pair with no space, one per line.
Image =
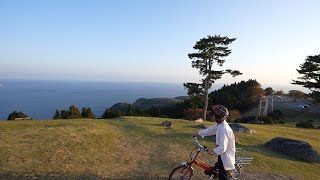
131,148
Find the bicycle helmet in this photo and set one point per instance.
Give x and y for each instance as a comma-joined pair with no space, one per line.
219,111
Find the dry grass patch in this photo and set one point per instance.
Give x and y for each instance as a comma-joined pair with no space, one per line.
130,148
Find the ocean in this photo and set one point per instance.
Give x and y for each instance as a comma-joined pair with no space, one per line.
39,99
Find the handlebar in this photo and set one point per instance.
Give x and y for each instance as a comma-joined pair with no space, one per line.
202,148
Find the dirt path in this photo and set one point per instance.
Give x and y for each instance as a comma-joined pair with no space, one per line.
265,177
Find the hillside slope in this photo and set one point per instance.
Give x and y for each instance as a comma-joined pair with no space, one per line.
131,148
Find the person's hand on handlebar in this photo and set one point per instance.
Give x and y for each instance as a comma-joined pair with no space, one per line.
211,152
195,134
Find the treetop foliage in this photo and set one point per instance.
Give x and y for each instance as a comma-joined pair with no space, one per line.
241,96
74,113
15,114
279,92
296,93
269,91
109,113
210,50
310,71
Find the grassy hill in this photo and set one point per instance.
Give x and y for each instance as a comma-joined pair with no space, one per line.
131,148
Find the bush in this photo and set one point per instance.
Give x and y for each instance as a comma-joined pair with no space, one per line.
233,115
72,113
266,120
15,114
192,114
275,115
108,114
57,115
87,113
246,119
154,111
305,125
281,122
64,114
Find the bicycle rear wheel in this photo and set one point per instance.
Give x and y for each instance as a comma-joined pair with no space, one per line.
181,173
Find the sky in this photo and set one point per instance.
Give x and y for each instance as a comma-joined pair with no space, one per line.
148,41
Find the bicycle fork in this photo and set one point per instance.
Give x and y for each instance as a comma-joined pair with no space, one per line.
189,169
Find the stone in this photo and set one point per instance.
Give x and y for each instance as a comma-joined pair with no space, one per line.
240,128
294,148
167,124
198,120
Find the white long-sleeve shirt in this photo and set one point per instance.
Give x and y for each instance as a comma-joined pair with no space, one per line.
226,141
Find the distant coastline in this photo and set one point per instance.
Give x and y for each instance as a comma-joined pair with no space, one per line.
39,99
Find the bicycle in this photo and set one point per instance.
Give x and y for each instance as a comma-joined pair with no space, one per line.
185,171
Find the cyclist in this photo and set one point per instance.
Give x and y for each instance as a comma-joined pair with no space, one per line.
225,141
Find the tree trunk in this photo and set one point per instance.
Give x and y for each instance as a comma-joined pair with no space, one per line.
205,99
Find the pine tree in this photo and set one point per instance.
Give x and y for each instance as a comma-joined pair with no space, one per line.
210,50
310,71
279,93
84,112
64,114
57,115
74,112
269,91
90,114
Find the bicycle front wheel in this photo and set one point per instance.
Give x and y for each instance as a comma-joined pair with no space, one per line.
181,173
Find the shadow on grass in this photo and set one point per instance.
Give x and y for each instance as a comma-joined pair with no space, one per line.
84,176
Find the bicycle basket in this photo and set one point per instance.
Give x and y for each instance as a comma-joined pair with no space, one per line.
243,157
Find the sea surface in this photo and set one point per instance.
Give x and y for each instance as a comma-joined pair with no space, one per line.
39,99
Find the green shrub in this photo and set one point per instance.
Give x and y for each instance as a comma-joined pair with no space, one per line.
90,114
305,125
275,115
87,113
64,114
108,114
72,113
57,115
233,115
266,120
192,114
15,114
154,111
246,119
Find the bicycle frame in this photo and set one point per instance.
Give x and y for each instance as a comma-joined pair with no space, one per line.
199,162
242,157
196,161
